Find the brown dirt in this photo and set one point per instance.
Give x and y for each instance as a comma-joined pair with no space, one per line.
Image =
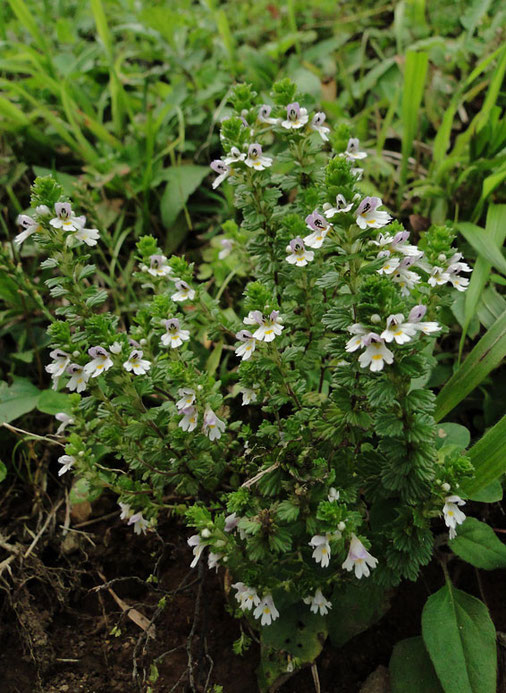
56,633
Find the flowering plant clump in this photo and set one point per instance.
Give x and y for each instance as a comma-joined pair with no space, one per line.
329,471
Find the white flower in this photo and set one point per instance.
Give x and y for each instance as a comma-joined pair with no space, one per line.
357,173
158,266
298,254
246,596
212,427
28,225
213,560
184,292
415,316
368,215
226,248
231,522
341,207
198,547
390,264
175,335
88,236
100,363
115,347
266,611
139,522
397,243
187,396
189,420
353,152
438,277
268,328
459,283
264,115
320,227
359,339
136,363
67,462
60,362
222,169
333,494
296,117
248,345
321,546
455,264
126,511
256,159
78,378
234,156
376,354
318,603
406,279
452,514
65,218
65,420
248,396
359,559
397,330
317,124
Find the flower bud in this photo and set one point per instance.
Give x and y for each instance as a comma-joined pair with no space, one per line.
375,318
205,534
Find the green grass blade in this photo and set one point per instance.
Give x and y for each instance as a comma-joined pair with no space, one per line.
486,355
415,74
484,244
495,229
488,456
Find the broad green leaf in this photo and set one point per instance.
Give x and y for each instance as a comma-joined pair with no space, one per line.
460,638
453,434
354,609
3,471
486,355
182,181
411,669
51,402
484,243
478,544
492,493
296,633
488,456
415,73
17,399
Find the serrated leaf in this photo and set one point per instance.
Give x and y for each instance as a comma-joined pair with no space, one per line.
477,544
461,641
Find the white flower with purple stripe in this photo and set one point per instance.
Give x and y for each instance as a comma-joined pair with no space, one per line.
341,207
397,330
158,266
298,255
353,152
318,125
222,169
359,559
320,228
29,227
64,218
234,156
264,115
78,378
174,335
296,117
136,363
376,354
184,292
269,327
256,158
100,362
212,427
318,603
247,346
67,462
369,216
415,317
190,418
60,362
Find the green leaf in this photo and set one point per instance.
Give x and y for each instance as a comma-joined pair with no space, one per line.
486,355
460,639
354,609
495,233
488,456
453,434
415,73
51,402
3,471
17,399
484,243
182,181
490,494
411,669
477,544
